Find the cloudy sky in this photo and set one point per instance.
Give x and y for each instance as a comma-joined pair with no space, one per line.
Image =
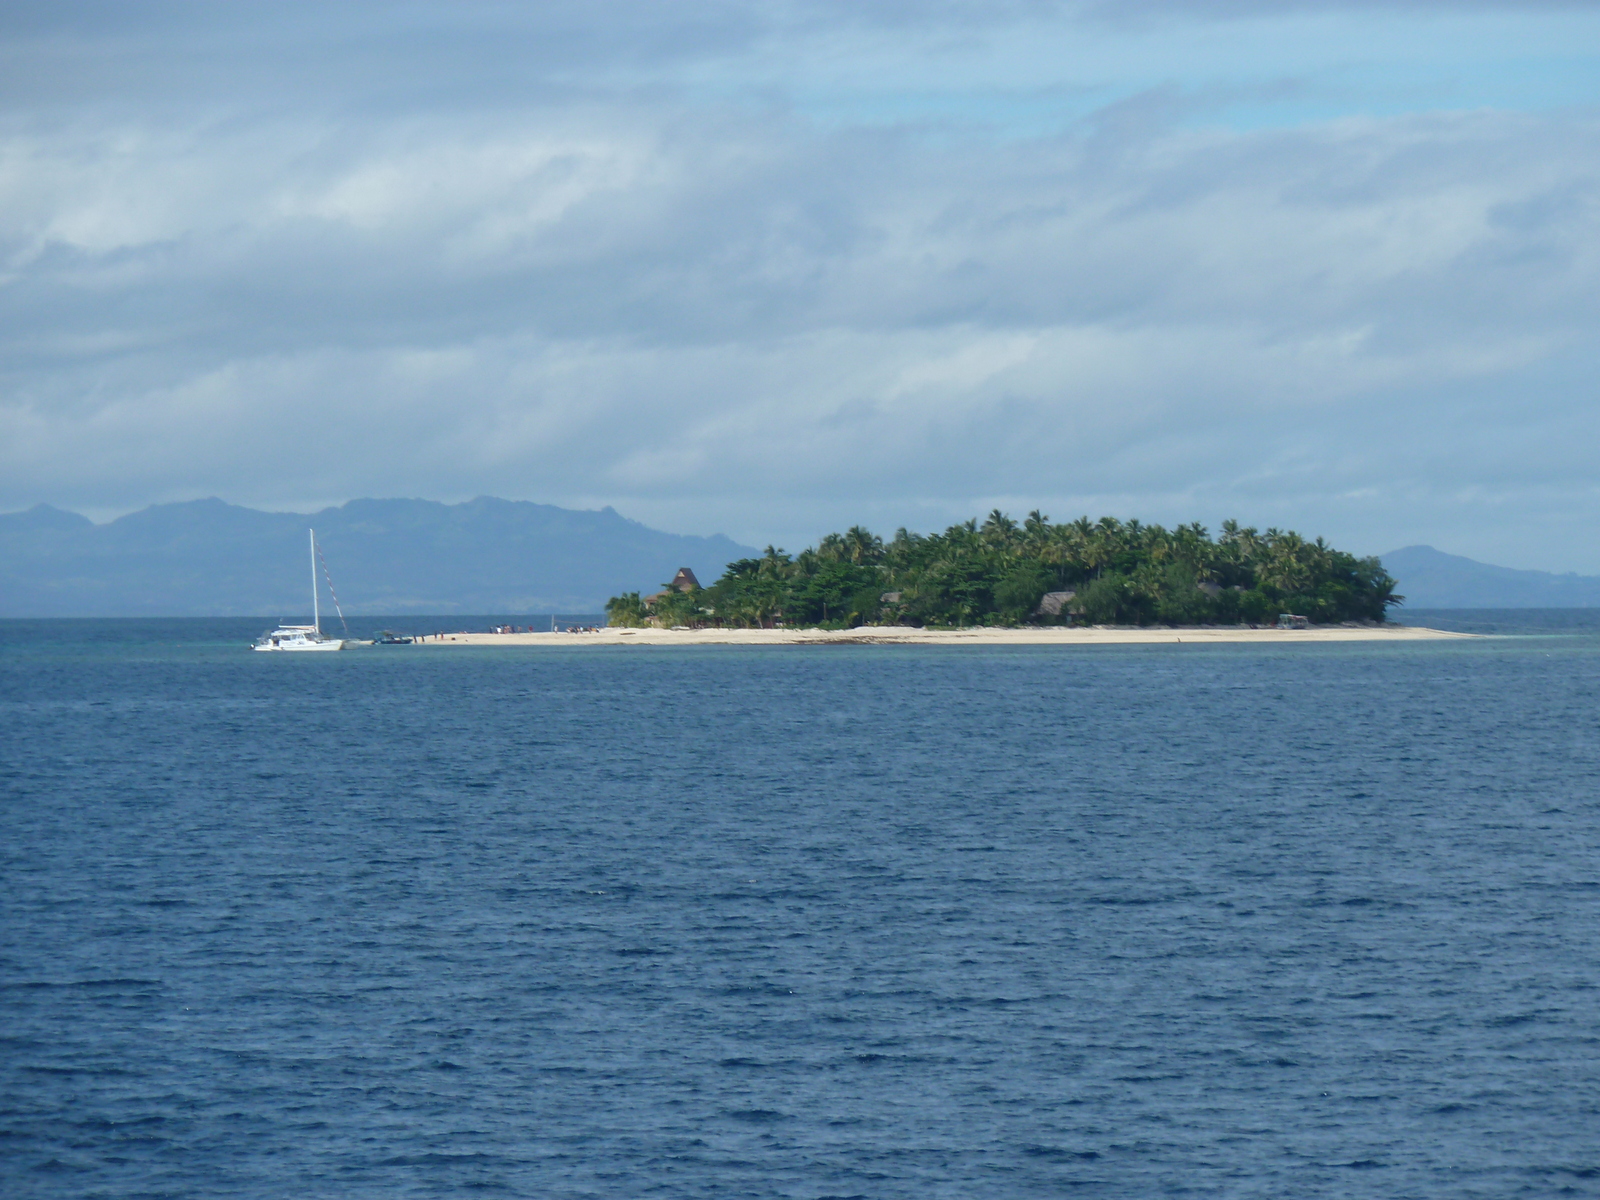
771,268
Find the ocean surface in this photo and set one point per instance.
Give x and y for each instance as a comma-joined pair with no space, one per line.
1301,921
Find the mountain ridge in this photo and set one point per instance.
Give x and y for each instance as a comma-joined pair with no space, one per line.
486,555
1431,578
386,556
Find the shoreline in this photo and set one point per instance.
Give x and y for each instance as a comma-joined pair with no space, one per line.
905,635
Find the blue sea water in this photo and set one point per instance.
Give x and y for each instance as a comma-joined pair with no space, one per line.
799,922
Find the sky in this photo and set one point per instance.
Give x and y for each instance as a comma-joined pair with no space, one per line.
770,269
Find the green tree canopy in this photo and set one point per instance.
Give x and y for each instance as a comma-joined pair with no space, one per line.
1000,571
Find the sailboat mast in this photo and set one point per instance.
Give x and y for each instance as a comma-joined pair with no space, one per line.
316,617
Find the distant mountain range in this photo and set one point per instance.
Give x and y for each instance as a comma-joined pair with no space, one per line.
1430,578
208,558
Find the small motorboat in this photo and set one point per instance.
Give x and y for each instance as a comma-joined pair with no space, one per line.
388,637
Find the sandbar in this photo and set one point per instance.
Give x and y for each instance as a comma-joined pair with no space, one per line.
905,635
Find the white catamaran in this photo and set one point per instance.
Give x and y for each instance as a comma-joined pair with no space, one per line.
305,637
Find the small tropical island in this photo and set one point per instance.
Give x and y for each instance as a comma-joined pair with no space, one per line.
1004,574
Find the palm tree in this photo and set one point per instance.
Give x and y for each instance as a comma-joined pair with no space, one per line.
1000,531
861,545
1101,545
1036,531
775,563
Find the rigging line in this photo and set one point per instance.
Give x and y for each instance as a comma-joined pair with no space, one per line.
331,592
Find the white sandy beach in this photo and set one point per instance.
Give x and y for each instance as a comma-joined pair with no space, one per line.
898,635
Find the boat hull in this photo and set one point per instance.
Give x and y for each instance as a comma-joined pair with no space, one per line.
297,637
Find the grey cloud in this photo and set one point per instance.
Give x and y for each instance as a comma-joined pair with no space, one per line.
719,315
414,56
627,226
759,235
1152,13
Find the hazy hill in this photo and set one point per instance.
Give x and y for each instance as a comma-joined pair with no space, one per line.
386,556
1430,578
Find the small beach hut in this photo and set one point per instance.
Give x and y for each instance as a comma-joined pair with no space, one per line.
1053,602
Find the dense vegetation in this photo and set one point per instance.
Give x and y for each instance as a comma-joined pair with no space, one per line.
1119,573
